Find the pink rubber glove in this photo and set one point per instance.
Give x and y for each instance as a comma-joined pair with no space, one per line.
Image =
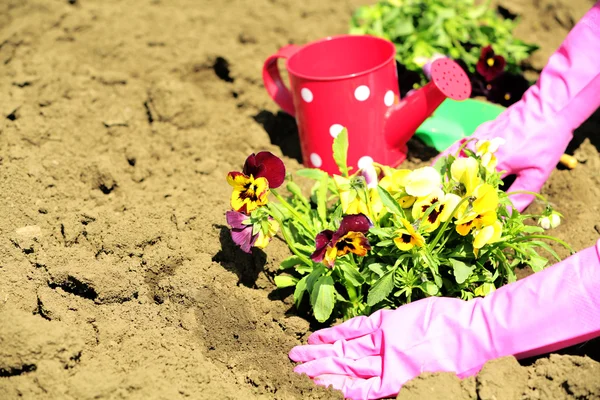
538,128
372,357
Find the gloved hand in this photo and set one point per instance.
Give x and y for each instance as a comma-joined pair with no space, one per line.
372,357
538,128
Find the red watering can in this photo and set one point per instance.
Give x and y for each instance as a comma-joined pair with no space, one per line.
351,81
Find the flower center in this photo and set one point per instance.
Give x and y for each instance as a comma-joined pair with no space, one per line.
490,62
405,238
249,191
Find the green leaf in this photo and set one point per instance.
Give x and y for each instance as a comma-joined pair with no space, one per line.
382,288
429,288
484,289
351,273
389,202
379,269
311,173
340,151
294,189
322,198
322,298
531,229
299,291
283,281
544,246
536,262
289,262
313,277
461,270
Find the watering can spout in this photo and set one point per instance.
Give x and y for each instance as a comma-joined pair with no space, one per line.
448,80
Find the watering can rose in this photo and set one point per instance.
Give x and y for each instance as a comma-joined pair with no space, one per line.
381,237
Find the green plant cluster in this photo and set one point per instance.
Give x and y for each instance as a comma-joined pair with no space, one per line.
455,28
416,248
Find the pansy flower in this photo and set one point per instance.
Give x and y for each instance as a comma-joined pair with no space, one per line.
249,193
265,165
349,238
443,206
486,149
395,183
490,65
352,195
507,89
247,234
482,211
422,181
250,188
486,235
407,237
466,172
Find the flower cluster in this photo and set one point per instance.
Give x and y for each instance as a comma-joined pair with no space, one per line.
250,221
381,236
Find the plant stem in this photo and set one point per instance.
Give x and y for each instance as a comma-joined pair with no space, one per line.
289,241
294,213
537,195
443,229
547,237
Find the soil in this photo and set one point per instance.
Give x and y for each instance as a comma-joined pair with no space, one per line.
118,278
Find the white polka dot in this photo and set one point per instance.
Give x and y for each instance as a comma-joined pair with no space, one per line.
388,99
362,93
306,94
315,160
335,130
364,162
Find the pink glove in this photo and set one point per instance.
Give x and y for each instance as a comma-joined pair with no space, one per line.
538,128
372,357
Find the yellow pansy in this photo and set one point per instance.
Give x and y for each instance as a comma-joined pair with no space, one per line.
263,238
466,171
486,149
248,193
395,184
408,238
446,203
482,212
486,235
349,197
422,181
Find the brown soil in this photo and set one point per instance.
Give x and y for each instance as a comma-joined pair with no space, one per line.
118,279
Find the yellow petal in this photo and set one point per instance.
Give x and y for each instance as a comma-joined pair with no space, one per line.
450,203
466,171
399,177
261,240
487,234
486,198
404,241
237,179
422,181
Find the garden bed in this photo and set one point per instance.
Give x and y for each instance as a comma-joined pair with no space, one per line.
118,277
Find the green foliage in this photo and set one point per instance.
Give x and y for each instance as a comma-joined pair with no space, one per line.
445,263
456,28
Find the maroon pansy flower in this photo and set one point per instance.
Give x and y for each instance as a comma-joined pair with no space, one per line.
349,238
490,65
507,89
265,165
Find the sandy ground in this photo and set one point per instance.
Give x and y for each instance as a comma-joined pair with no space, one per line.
118,280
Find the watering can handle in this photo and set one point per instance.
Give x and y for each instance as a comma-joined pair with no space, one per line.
273,82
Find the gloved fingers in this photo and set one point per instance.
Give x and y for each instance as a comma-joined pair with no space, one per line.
354,388
531,180
353,328
364,368
364,346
